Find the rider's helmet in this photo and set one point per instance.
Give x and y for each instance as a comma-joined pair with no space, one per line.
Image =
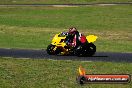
72,30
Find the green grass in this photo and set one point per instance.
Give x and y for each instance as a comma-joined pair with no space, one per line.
58,1
55,74
34,27
39,38
95,17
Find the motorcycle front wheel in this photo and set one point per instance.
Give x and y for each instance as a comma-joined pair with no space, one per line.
50,49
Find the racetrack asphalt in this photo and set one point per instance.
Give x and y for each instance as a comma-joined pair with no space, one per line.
42,54
69,5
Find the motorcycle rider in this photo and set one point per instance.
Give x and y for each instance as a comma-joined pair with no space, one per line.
75,38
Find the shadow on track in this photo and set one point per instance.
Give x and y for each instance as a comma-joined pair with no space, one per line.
99,56
41,54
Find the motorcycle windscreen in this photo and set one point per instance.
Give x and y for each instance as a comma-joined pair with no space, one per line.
57,40
91,38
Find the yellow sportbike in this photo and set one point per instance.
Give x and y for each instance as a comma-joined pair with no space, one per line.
58,46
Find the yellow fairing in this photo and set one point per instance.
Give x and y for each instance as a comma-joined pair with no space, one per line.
91,38
56,41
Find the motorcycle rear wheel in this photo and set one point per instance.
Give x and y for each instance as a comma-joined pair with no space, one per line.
91,49
85,50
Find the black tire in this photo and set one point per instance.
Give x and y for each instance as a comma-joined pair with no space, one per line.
88,49
50,50
91,49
